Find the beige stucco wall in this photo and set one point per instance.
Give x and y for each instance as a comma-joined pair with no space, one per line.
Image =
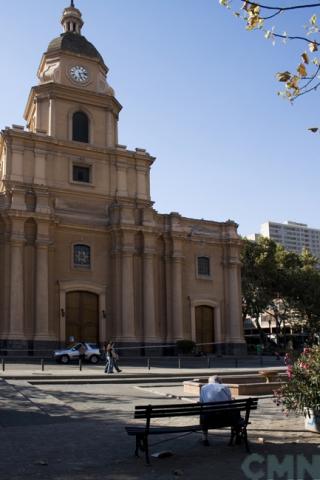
143,264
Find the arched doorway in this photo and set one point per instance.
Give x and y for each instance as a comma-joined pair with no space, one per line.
204,317
82,316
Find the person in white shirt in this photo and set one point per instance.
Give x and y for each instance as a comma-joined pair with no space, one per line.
213,391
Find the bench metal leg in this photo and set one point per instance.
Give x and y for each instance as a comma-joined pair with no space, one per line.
245,438
142,444
138,440
232,435
239,434
146,448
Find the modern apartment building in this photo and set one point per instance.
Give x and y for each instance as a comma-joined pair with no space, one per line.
293,236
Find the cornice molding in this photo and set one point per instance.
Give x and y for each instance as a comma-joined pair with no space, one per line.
52,146
72,94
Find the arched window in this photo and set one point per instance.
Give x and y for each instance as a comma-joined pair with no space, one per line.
80,127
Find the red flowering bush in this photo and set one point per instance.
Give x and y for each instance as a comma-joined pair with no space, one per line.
302,391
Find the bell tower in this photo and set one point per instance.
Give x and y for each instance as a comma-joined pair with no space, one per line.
72,19
73,81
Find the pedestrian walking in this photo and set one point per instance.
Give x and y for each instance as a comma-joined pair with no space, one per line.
82,352
115,357
109,358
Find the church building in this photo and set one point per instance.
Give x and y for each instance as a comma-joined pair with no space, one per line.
83,253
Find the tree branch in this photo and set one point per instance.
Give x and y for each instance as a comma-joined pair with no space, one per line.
271,16
306,91
283,9
310,80
288,37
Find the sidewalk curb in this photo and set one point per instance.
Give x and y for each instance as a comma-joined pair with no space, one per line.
82,375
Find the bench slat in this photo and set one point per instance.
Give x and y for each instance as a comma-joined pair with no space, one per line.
179,413
193,405
162,430
161,411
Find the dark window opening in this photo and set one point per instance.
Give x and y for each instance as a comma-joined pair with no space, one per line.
81,173
203,266
81,256
80,127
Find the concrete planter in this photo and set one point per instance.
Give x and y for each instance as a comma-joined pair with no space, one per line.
247,384
312,420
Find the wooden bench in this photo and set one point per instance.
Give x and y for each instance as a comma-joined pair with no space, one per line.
211,415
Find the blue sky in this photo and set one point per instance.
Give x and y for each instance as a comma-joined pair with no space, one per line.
198,92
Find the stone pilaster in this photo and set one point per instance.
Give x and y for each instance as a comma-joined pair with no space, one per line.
52,117
18,197
127,287
43,200
110,134
235,330
149,298
114,329
42,291
42,330
40,167
38,119
168,286
122,187
16,288
17,156
128,327
142,188
177,295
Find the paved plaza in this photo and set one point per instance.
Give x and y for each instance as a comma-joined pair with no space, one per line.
71,426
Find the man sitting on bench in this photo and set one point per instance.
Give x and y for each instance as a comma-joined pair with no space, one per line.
216,391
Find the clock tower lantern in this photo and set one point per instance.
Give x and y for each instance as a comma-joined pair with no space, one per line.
72,73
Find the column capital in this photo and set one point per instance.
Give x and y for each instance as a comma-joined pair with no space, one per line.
178,258
142,168
232,262
149,253
40,151
127,251
17,241
43,244
122,165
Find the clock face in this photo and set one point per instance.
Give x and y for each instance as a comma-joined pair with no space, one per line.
79,74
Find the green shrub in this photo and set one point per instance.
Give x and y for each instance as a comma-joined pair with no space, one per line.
302,391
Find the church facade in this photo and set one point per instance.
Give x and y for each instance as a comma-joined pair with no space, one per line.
83,253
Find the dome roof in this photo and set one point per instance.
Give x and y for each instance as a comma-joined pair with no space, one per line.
74,43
